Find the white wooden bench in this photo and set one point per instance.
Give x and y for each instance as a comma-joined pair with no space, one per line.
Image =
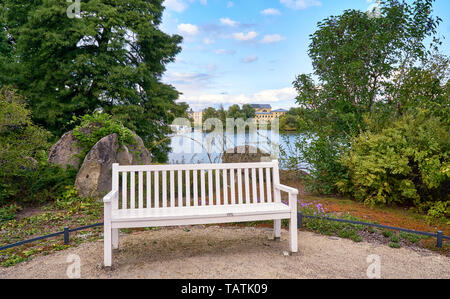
172,195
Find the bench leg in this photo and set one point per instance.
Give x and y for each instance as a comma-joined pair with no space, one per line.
293,232
277,229
115,238
107,246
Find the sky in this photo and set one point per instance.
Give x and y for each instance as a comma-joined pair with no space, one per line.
250,51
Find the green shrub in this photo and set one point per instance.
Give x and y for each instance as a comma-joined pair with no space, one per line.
413,238
99,125
394,238
438,210
394,245
21,141
9,212
387,233
322,153
25,176
407,163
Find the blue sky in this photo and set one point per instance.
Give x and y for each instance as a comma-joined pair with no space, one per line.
250,51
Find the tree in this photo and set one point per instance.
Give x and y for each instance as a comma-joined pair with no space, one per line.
426,88
235,112
248,111
110,58
352,56
209,113
288,122
222,114
361,63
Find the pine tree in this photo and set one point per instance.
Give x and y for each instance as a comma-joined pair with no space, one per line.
110,57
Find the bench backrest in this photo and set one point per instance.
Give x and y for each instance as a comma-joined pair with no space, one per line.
162,186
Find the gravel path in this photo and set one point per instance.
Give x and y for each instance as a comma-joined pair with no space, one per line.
217,252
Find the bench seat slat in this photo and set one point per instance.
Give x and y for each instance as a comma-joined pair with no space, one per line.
198,212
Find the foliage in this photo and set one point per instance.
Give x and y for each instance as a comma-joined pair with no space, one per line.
326,171
405,163
99,125
208,113
9,212
394,245
25,176
330,228
291,121
364,66
114,55
425,88
235,112
21,141
71,202
439,210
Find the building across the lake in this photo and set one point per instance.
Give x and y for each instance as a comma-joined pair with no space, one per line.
265,114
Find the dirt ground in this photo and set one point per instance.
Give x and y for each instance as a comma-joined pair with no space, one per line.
233,253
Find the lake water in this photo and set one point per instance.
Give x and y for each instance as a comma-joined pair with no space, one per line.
200,147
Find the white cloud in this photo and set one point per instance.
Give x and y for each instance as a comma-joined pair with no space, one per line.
228,22
245,36
269,96
180,5
271,12
230,4
175,5
189,81
272,38
224,51
300,4
188,29
250,59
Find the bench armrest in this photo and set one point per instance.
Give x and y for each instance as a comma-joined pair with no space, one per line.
108,198
286,189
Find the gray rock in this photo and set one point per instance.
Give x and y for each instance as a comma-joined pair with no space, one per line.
124,157
94,176
65,152
141,155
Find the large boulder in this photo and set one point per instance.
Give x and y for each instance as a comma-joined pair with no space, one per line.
67,150
139,153
95,175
